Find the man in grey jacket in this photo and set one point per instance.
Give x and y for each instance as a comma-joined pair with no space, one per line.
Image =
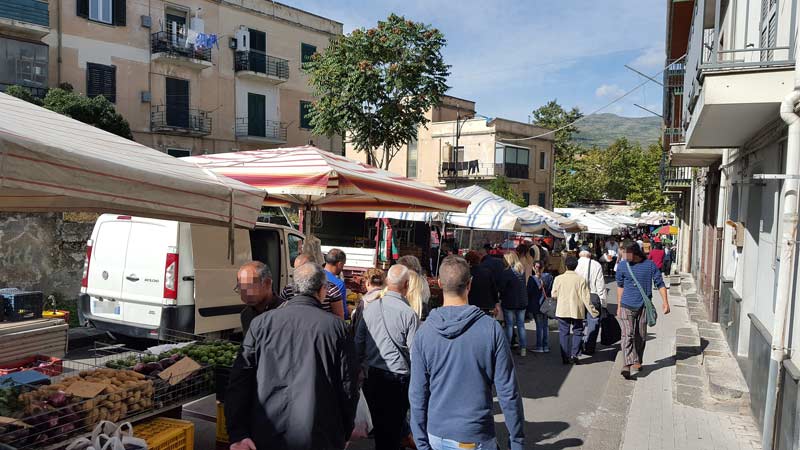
383,343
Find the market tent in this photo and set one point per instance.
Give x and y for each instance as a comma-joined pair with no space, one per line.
50,162
597,225
318,179
567,224
486,211
621,219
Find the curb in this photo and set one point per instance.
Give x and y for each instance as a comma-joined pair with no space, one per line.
607,430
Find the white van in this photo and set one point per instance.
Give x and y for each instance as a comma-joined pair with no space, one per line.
145,276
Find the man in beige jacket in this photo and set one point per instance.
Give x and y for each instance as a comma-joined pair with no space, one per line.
572,301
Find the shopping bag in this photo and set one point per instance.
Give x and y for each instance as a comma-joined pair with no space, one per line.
363,422
610,331
548,307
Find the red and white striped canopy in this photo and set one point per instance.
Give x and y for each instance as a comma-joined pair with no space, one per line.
313,177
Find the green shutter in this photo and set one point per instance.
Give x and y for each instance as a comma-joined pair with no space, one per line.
305,119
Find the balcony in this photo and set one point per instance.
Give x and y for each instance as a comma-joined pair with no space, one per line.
673,178
24,18
172,48
735,83
475,170
258,66
178,120
268,131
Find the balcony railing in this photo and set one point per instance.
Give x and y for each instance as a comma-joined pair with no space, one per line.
478,170
175,44
676,177
267,129
707,51
258,62
30,11
180,120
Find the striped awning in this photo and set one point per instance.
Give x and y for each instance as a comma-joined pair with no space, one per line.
50,163
312,177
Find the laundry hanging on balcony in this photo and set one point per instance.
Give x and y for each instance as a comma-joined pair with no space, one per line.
206,41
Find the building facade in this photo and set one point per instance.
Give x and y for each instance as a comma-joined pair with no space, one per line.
726,166
459,148
190,76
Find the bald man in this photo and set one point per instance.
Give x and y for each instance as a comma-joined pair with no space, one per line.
254,286
383,345
332,302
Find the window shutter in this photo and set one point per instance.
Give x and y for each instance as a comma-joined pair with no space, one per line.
110,83
93,80
101,80
119,13
83,8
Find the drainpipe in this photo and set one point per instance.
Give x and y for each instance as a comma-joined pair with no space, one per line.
786,271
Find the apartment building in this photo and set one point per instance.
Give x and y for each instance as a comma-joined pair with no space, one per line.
726,166
459,147
190,76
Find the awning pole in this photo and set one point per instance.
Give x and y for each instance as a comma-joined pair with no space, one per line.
441,244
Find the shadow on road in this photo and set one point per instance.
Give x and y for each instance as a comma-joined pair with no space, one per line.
535,432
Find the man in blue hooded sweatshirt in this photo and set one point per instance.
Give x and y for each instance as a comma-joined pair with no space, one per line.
456,357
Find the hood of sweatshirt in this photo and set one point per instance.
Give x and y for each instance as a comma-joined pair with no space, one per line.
452,321
372,295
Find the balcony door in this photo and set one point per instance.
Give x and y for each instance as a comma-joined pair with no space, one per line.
258,51
256,115
177,103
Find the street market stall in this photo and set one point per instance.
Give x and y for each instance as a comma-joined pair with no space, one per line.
596,225
52,163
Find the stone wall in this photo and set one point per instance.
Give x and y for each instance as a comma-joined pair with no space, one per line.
44,252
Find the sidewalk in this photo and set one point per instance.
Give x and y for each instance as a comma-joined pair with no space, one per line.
660,416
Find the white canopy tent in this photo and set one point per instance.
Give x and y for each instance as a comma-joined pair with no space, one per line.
593,223
486,211
50,162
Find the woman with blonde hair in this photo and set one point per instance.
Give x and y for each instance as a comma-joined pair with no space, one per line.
416,292
514,299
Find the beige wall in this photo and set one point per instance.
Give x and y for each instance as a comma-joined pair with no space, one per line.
478,139
212,89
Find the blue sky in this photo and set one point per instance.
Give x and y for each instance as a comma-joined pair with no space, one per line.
512,56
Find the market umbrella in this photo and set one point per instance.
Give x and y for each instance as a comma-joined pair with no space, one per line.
667,229
316,179
51,163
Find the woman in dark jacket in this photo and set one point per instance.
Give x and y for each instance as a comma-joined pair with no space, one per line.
483,292
514,299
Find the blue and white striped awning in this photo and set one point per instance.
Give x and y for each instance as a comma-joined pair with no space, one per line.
486,211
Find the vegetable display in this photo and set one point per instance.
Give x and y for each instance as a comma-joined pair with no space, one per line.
214,353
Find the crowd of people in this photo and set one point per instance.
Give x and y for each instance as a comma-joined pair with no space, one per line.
427,375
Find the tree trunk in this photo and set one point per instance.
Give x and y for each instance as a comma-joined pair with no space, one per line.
386,157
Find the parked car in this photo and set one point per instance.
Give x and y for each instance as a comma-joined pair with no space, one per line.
144,276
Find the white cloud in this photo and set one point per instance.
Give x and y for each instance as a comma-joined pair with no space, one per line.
652,58
609,90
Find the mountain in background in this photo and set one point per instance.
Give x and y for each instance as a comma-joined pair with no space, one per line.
603,129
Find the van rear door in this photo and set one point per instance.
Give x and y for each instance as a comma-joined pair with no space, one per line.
107,266
143,283
217,306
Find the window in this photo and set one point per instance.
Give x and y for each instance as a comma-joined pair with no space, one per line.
542,161
177,92
306,52
179,152
511,161
527,197
305,119
23,63
112,12
295,247
101,80
542,200
411,159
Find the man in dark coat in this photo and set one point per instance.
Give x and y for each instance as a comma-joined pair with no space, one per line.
294,385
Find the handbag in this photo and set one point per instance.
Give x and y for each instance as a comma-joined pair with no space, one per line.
652,315
548,307
610,331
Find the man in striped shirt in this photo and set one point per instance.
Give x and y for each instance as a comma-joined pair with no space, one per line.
333,293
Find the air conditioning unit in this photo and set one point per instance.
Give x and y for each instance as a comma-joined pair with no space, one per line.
242,39
147,22
146,97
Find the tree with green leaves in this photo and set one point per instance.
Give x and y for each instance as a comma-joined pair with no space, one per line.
374,86
555,117
501,187
96,111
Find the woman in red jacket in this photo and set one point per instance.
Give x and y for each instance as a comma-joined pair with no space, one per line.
657,256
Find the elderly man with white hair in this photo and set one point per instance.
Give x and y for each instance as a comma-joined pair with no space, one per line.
592,272
383,344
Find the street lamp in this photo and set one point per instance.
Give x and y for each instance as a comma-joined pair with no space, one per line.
459,126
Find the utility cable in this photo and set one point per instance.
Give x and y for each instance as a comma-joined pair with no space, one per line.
629,92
